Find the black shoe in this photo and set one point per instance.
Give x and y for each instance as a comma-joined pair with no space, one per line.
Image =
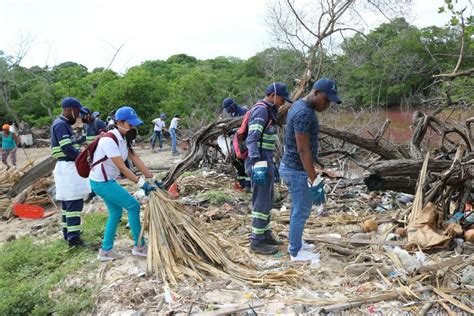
273,241
263,249
76,242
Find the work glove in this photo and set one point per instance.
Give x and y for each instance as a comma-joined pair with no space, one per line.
316,189
145,186
259,173
155,181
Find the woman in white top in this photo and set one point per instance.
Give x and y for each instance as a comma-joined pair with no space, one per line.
113,145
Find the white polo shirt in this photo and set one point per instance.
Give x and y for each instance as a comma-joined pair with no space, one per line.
174,122
108,147
159,124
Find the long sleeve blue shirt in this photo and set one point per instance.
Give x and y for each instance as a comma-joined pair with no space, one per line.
64,145
262,134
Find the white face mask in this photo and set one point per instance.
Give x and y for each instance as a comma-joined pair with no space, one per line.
123,128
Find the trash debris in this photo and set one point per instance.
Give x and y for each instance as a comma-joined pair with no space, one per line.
369,226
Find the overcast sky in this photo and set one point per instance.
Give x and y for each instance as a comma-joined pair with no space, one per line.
85,31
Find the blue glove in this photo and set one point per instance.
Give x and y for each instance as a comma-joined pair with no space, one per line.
259,174
318,196
145,186
148,188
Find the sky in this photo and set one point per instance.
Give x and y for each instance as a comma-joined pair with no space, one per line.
90,31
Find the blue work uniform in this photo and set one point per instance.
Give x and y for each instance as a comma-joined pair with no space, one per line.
238,110
261,141
70,187
93,129
239,164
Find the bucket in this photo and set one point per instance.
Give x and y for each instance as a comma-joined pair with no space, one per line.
28,211
26,140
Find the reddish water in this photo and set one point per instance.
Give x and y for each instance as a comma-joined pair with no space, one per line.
369,121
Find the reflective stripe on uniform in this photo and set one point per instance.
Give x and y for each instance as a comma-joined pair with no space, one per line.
90,138
70,214
260,215
76,228
268,137
65,142
268,146
260,230
255,127
56,152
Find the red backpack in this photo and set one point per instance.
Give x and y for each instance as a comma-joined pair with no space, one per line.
84,160
238,141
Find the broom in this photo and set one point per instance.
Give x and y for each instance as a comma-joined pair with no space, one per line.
178,247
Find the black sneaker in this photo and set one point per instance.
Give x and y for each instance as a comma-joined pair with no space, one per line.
76,242
272,241
263,249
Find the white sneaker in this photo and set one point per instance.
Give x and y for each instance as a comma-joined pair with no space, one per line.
139,251
305,246
304,255
108,255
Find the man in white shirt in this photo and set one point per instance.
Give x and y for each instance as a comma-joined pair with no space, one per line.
173,128
158,128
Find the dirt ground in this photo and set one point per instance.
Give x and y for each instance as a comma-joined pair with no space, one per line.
124,288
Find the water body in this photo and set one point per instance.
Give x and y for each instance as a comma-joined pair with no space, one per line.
367,122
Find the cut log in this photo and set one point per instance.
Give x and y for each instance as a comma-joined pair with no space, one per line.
41,170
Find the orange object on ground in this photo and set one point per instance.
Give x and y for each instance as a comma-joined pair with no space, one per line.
237,187
173,191
28,211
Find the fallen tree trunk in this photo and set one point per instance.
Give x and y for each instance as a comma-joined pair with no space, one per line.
41,170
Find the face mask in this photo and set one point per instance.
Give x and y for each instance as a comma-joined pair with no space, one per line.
131,133
73,120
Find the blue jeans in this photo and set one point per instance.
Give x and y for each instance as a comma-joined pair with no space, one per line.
297,182
117,198
159,135
173,140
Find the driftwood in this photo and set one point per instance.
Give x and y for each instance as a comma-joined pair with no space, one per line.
41,170
200,143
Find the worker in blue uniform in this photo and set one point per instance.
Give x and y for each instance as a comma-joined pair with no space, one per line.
234,110
261,139
71,189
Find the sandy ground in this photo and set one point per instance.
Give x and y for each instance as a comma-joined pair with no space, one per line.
123,288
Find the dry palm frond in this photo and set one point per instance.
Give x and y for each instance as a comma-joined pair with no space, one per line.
178,246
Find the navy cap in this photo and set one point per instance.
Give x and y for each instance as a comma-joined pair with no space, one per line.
127,113
329,87
163,116
279,89
228,102
74,103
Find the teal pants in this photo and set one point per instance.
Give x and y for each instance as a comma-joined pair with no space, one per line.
117,198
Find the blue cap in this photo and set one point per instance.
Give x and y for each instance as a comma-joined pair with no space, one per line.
163,116
74,103
127,113
228,102
95,114
329,87
279,89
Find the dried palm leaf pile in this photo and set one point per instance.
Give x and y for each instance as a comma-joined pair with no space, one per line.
9,178
178,247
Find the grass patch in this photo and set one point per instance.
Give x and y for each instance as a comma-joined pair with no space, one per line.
216,197
31,269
